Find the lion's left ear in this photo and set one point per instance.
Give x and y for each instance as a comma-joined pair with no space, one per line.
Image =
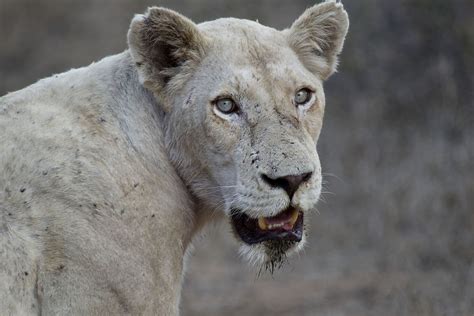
317,36
165,46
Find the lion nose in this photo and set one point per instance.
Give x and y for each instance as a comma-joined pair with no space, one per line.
289,183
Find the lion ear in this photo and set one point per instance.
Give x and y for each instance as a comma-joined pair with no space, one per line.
317,36
165,46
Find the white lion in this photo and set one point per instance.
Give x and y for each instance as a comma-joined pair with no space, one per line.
108,171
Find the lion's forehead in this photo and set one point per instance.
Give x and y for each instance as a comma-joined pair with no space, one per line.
249,56
232,29
244,39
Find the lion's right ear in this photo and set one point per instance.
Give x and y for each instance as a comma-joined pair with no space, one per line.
165,46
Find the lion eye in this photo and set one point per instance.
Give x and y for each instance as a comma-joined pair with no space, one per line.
226,105
302,96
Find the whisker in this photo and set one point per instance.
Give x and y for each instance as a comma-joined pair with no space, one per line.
332,175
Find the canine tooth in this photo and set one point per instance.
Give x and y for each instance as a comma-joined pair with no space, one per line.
262,223
294,217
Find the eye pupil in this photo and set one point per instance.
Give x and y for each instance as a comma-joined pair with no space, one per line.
226,105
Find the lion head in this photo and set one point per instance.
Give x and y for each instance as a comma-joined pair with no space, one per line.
244,107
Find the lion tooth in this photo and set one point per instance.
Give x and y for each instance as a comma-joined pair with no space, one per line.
276,225
262,223
294,217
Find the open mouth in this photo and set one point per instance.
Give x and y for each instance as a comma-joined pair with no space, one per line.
286,226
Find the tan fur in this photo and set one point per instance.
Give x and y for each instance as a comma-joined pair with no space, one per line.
318,36
108,171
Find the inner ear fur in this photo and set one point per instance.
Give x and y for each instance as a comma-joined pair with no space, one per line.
317,36
164,46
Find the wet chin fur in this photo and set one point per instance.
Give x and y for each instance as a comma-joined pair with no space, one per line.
271,255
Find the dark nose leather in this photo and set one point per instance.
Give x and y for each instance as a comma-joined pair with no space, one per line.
289,183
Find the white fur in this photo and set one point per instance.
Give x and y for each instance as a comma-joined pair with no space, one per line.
108,171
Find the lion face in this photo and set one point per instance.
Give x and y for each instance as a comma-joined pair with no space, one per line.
257,138
245,108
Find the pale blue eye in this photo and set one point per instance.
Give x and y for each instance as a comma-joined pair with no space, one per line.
302,96
226,105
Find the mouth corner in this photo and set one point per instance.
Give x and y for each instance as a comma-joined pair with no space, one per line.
285,227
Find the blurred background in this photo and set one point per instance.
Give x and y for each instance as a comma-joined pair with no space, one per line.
394,234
